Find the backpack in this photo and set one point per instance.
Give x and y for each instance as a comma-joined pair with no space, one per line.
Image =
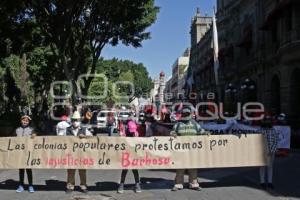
180,123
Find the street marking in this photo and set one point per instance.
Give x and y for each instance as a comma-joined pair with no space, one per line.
93,197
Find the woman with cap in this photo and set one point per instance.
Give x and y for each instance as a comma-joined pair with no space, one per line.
186,127
76,130
271,138
131,131
25,131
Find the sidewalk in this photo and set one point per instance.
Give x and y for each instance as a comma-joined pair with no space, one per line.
231,184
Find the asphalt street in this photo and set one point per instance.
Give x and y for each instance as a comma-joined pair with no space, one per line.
223,184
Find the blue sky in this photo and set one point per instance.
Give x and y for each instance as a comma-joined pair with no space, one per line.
169,36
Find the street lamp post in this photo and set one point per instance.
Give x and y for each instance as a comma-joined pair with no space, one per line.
231,91
249,89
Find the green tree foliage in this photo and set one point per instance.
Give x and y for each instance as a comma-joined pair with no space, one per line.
17,78
60,40
78,30
117,70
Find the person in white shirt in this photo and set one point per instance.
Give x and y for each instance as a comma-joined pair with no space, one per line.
61,127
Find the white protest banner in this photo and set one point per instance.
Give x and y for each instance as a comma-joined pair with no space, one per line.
284,135
63,152
284,132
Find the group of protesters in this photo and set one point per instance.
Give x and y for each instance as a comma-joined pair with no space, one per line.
186,126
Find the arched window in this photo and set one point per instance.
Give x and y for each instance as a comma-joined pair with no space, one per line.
295,94
275,95
248,91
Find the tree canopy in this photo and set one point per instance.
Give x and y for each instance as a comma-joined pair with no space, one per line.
77,31
122,70
60,40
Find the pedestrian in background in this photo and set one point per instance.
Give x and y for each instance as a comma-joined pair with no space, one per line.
25,131
149,121
186,127
110,123
271,138
131,131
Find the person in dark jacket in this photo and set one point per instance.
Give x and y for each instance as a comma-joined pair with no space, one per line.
76,130
25,131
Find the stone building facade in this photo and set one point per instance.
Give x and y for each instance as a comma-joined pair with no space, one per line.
157,93
174,89
259,55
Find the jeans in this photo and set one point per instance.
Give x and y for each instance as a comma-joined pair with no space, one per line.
22,174
135,173
193,177
71,179
110,130
267,170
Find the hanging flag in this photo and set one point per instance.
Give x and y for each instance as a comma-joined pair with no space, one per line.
216,49
190,79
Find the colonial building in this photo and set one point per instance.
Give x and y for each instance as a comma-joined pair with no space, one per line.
259,54
175,85
201,52
157,93
168,95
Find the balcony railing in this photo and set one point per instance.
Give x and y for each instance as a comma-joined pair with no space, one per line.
290,37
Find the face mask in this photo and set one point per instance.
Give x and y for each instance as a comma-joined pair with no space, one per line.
76,124
186,117
24,125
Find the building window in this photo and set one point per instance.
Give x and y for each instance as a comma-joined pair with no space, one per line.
274,32
289,19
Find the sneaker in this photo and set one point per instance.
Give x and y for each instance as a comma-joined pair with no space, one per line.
271,186
174,189
121,188
85,191
31,189
196,188
20,189
138,188
263,186
69,191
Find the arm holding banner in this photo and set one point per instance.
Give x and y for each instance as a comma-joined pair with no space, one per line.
174,131
200,130
33,135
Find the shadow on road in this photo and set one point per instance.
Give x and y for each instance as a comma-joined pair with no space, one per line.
147,184
286,179
50,185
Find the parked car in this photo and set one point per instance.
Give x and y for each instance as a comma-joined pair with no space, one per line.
124,115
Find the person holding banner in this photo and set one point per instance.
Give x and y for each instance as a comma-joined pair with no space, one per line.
24,131
130,131
61,127
185,127
76,130
271,137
